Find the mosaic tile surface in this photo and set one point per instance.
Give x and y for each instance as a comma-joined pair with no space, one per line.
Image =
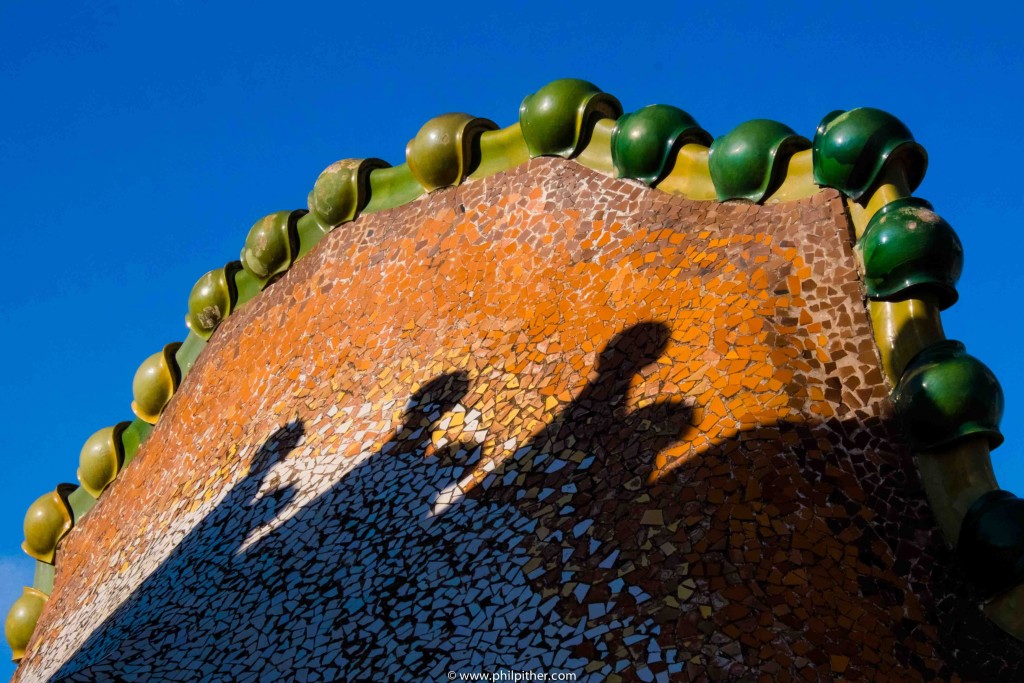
546,421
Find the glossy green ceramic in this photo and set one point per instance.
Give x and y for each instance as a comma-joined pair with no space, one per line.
909,252
750,161
391,187
446,149
991,545
342,190
272,244
101,459
21,620
851,148
212,299
43,577
133,437
155,382
48,519
645,142
946,395
81,501
556,120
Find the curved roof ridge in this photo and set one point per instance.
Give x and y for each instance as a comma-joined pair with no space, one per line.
910,260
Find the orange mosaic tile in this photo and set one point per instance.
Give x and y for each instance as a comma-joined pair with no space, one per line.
542,420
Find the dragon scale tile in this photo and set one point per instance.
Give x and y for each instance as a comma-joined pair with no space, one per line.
545,420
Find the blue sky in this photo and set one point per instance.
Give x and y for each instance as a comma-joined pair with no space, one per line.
138,145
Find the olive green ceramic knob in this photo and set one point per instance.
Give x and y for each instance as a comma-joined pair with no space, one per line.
446,149
341,191
21,620
46,522
645,142
272,244
946,395
991,544
750,161
909,252
155,382
852,148
558,118
212,299
101,459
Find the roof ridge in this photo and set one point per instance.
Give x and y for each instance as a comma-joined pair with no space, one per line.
910,258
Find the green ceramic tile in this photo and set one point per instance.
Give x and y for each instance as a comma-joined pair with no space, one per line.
391,187
310,233
132,437
188,352
501,150
81,502
43,581
248,286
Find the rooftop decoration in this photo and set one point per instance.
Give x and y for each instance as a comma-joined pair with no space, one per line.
749,161
645,142
155,382
102,458
909,252
442,153
949,403
558,118
341,191
852,149
212,299
46,522
945,396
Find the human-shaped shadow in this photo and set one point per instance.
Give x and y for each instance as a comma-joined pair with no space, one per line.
372,580
584,480
598,425
368,581
388,587
174,602
467,585
222,607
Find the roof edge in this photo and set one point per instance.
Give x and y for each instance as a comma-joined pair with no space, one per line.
867,154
